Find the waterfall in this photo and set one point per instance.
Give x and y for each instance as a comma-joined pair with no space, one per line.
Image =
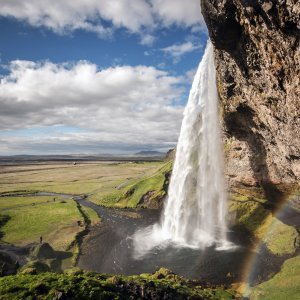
195,211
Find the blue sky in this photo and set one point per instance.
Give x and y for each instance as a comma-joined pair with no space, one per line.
90,77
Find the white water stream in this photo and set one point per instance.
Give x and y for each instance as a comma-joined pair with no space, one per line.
195,211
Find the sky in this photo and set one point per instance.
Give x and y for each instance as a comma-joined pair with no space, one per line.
96,77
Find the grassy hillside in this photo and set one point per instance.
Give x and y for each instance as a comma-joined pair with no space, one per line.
284,285
153,186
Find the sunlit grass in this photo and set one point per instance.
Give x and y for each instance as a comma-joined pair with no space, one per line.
40,216
33,216
134,192
284,285
69,179
281,239
15,202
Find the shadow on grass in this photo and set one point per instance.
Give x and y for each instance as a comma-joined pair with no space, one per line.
3,220
56,263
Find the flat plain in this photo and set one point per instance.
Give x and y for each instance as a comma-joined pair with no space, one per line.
26,213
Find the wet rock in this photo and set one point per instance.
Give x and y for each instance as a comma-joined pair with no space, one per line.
170,154
257,56
8,266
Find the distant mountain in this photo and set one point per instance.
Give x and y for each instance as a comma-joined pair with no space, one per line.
140,156
150,153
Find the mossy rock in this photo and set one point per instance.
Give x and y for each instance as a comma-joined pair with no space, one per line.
5,258
163,273
43,251
281,239
90,285
54,264
248,213
115,280
35,267
7,265
74,271
29,271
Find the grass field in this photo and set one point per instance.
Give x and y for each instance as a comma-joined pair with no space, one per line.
33,216
67,178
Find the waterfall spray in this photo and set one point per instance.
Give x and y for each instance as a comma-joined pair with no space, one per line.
195,211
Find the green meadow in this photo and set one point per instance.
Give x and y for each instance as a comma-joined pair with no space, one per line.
30,217
25,216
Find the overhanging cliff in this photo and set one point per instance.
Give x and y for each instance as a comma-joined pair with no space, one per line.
258,67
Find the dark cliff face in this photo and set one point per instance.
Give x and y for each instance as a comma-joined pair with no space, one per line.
257,57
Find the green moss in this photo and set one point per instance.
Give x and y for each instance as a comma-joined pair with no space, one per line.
34,267
281,239
87,285
284,285
249,213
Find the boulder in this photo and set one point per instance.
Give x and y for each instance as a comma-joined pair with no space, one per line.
43,251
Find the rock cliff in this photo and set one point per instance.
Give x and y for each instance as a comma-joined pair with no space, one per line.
257,58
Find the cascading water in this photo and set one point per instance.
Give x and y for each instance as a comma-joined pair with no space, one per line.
195,211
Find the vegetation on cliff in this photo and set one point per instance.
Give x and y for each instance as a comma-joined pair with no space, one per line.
76,284
147,190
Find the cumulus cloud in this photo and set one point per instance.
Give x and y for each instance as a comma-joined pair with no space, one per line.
180,12
133,15
123,104
67,143
178,50
61,16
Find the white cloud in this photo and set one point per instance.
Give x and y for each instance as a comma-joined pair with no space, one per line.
137,16
147,39
61,16
124,104
181,12
178,50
